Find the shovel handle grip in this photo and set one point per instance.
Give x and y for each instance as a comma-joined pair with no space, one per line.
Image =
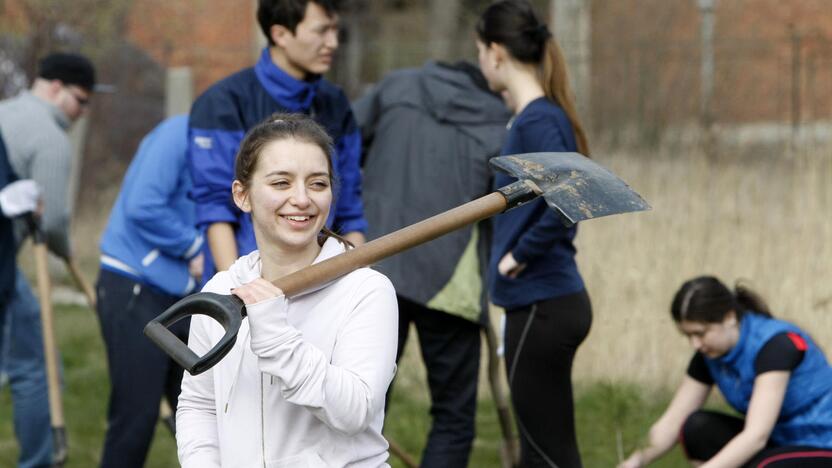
225,309
172,345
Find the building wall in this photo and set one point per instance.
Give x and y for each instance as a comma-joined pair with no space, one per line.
773,61
213,37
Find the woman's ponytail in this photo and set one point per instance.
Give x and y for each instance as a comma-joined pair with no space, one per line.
556,87
749,300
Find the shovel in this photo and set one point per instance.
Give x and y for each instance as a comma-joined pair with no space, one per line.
60,450
573,185
81,282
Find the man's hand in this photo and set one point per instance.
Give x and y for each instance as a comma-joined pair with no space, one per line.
196,265
20,197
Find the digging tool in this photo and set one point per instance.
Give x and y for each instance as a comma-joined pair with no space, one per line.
573,186
509,450
60,449
402,454
82,283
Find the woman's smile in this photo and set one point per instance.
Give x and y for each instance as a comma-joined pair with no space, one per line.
299,221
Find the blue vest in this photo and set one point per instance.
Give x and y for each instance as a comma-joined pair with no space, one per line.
806,415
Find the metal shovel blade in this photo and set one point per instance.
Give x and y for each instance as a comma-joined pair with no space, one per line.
573,185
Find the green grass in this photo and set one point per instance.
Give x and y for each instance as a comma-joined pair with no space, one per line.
86,389
602,411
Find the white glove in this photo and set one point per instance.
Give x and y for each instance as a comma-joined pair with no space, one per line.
19,197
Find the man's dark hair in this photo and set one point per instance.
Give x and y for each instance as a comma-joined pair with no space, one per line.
288,13
70,69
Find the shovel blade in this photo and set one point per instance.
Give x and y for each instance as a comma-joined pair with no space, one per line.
573,185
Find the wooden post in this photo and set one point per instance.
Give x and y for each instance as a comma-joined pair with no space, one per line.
571,25
179,90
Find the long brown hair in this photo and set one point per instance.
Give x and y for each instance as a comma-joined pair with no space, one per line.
278,127
515,25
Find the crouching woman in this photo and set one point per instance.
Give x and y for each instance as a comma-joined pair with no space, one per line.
768,370
304,384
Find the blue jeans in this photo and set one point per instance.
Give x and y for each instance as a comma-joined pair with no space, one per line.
22,359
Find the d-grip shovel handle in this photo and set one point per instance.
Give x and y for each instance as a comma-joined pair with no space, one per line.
227,310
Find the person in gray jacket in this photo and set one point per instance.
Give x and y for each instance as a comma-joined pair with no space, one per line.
429,133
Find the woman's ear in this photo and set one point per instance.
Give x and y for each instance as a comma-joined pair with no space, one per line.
498,54
240,195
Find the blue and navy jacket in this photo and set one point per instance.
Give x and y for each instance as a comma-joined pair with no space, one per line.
806,415
533,233
150,235
7,242
222,115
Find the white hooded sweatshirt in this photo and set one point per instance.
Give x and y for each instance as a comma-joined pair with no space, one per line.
304,384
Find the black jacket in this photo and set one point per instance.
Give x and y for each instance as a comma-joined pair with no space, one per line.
429,133
8,249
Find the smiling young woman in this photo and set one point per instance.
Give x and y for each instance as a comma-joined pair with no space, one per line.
767,369
305,382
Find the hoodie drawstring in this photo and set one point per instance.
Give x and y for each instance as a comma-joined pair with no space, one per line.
237,373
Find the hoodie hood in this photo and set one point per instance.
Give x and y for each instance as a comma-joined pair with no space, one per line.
248,267
446,94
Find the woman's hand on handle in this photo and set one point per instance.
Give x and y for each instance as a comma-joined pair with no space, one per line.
257,291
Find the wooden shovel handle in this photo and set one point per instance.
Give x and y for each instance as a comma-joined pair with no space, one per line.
49,344
82,283
393,243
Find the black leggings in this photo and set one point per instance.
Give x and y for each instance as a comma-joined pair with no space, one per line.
541,341
706,432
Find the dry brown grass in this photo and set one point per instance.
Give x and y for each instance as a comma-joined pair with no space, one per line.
764,219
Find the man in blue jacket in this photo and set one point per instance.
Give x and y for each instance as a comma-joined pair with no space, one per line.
150,258
302,38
